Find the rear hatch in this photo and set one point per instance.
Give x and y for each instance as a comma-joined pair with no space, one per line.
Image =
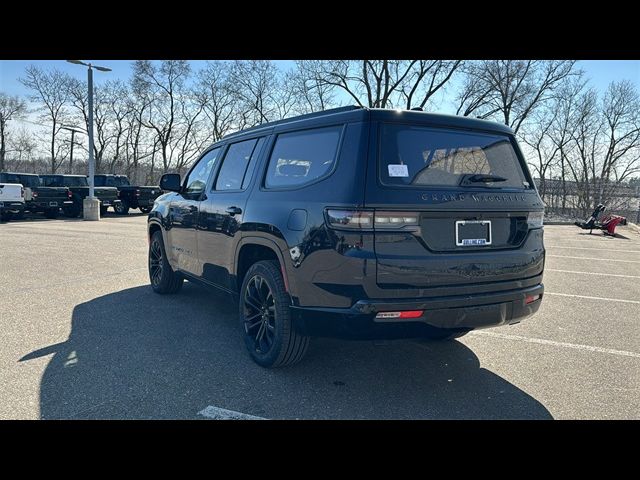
108,194
452,207
50,195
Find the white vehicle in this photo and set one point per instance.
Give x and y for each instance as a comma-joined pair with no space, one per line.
11,200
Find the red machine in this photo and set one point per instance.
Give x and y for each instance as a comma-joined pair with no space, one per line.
607,224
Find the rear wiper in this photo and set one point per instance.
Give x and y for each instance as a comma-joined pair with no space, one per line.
480,178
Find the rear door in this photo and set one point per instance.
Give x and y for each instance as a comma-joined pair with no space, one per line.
451,205
182,245
222,213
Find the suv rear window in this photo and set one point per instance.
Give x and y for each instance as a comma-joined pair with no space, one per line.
416,156
299,158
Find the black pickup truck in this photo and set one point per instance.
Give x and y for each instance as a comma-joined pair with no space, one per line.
131,196
79,187
38,198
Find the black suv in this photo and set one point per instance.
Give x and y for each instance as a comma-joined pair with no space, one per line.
131,196
356,223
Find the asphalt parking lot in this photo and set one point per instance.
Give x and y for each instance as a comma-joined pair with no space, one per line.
83,336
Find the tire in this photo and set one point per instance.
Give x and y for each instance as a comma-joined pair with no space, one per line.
5,216
73,212
103,211
269,337
122,208
162,277
51,213
145,209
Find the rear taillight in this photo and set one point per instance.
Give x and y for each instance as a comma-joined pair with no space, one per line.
69,194
22,192
351,219
385,220
404,314
531,298
535,219
362,219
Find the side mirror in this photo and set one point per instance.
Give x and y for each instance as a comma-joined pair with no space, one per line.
170,182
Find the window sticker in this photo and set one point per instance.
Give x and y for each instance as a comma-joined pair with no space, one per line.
398,171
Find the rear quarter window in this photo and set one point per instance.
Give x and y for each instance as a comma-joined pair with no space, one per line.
419,156
304,157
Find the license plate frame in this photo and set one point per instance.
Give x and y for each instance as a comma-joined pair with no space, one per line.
473,242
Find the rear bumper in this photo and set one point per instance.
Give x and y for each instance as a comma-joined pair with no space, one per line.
12,207
45,204
108,202
461,313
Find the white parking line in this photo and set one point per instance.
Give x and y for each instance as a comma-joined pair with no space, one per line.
591,273
596,259
216,413
593,248
593,298
540,341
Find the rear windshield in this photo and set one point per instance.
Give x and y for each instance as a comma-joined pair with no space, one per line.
110,182
29,180
65,181
416,156
23,179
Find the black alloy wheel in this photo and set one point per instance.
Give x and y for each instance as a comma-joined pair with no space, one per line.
259,314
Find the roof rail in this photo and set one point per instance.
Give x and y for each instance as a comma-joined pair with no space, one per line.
321,113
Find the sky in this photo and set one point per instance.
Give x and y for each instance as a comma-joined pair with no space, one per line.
599,72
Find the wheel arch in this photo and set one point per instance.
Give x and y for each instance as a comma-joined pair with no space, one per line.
253,249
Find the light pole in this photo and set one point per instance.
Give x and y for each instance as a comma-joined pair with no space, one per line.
91,205
73,132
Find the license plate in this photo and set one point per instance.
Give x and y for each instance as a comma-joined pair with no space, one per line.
473,233
53,204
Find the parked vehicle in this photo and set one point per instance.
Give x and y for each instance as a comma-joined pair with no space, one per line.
79,187
11,200
131,196
356,223
38,198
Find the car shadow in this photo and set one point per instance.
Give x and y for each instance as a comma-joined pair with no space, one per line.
135,354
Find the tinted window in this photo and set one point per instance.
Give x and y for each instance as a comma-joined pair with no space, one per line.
234,165
29,180
420,156
60,181
299,158
252,162
196,182
9,178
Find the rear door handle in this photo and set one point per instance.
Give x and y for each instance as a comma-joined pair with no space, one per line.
234,211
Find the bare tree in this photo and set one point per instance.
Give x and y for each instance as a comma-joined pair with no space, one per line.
621,118
382,83
51,90
510,89
311,93
255,84
10,107
219,101
116,95
79,97
160,86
